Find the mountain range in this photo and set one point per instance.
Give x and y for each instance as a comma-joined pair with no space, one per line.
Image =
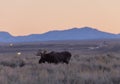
84,33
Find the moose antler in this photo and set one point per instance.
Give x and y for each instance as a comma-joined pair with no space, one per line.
41,52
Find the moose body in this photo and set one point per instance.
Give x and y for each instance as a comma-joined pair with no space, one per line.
54,57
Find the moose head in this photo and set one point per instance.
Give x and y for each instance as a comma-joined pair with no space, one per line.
41,52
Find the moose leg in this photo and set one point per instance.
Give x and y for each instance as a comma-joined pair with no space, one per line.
41,61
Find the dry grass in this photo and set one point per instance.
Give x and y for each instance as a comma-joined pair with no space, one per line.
91,67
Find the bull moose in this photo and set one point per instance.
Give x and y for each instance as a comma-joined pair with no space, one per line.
54,57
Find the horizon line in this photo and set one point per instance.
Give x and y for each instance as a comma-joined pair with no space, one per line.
59,30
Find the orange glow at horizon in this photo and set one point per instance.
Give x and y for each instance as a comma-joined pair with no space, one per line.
23,17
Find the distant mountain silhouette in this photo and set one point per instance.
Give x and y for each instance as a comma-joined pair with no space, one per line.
5,36
85,33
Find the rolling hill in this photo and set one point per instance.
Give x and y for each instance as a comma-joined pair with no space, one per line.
85,33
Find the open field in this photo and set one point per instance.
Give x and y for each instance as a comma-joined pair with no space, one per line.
92,62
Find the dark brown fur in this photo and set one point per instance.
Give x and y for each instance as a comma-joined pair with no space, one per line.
55,57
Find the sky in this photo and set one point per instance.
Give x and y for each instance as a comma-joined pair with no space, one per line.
23,17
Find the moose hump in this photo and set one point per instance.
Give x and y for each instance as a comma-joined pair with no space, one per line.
54,57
